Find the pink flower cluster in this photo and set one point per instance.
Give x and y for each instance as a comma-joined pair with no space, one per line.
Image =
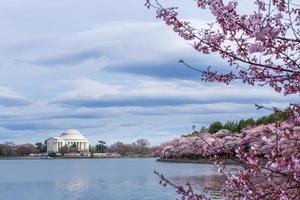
203,146
263,46
264,49
269,156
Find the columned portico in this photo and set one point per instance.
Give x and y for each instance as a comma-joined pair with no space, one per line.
70,138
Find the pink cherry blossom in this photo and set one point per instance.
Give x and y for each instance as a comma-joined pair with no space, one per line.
254,43
255,48
263,47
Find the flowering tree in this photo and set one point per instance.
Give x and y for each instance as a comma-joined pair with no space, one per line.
263,46
264,49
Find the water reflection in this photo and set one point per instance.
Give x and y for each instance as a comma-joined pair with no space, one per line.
214,183
75,187
109,179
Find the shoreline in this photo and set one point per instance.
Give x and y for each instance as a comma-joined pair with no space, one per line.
172,160
196,161
69,158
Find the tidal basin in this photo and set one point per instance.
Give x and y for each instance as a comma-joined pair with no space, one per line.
107,179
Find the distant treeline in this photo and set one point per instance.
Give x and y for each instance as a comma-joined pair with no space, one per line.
238,126
9,149
139,147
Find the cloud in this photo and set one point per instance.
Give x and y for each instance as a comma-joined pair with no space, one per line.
119,47
162,70
72,58
154,101
121,42
77,115
49,124
92,94
10,98
112,76
27,126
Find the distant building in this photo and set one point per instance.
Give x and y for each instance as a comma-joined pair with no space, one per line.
69,138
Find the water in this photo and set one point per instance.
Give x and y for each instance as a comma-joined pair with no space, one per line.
98,179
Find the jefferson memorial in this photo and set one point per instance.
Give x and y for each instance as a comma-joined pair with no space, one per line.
69,138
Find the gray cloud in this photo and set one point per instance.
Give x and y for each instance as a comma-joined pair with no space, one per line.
152,102
10,98
88,93
13,101
170,67
72,58
31,125
27,126
163,70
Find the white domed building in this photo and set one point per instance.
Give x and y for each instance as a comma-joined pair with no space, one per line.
69,138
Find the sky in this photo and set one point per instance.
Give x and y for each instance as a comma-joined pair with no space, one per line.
110,70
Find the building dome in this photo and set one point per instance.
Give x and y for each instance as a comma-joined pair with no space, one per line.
72,134
69,138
